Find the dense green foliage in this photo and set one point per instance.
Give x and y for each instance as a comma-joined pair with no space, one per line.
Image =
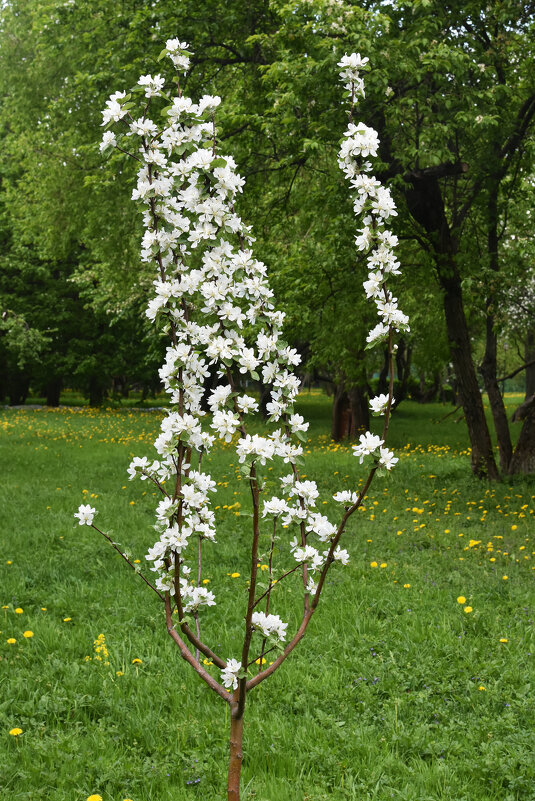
396,693
450,90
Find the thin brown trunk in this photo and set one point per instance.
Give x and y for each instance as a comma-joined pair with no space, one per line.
236,756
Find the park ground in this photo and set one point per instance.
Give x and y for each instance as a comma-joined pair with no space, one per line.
414,682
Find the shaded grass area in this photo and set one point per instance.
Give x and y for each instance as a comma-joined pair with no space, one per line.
396,692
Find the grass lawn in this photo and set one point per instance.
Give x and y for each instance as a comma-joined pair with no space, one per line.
398,691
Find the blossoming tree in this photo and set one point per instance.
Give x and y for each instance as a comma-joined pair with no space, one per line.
212,299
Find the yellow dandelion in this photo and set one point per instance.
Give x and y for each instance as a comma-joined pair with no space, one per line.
94,797
67,619
461,599
482,688
19,611
505,578
235,575
28,634
11,641
383,564
406,586
15,732
504,639
373,564
467,609
119,673
137,661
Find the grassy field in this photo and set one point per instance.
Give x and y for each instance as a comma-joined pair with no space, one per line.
398,691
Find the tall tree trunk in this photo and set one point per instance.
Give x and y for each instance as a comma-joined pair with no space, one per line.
53,390
529,356
96,392
427,207
341,414
523,460
482,457
360,414
489,366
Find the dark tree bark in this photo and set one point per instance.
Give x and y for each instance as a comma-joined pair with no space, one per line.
489,366
265,391
341,414
523,460
403,370
426,206
359,412
18,388
96,392
529,357
53,390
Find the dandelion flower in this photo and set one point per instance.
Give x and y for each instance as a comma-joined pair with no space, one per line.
11,641
234,575
406,586
373,564
137,661
19,611
28,634
94,797
67,619
461,599
482,688
505,578
504,639
467,609
15,732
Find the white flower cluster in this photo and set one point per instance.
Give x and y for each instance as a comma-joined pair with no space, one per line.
229,674
212,298
269,625
376,203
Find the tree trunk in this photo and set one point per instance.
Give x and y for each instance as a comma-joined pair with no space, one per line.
341,414
488,371
529,356
236,757
523,460
359,419
489,366
53,390
482,457
427,207
403,370
96,392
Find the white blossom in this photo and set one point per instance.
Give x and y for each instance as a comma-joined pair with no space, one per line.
85,515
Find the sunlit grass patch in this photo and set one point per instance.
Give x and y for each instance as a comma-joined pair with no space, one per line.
382,699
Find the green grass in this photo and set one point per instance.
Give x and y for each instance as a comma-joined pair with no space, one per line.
382,700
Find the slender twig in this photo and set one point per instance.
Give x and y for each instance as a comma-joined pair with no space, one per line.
127,560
